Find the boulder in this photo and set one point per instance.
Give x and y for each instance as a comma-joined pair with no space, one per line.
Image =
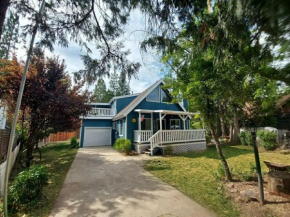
248,195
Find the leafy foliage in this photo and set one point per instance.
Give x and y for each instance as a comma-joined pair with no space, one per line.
118,87
168,150
123,145
50,103
94,25
26,189
101,94
246,138
9,36
74,142
268,139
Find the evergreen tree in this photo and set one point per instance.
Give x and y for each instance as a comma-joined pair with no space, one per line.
123,85
101,94
114,84
100,91
9,36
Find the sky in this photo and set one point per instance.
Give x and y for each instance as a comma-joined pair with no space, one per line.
151,68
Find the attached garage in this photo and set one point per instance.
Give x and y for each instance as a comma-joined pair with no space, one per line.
97,136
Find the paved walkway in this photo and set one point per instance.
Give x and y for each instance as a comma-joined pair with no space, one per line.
102,182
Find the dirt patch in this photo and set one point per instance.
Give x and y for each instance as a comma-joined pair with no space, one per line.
246,197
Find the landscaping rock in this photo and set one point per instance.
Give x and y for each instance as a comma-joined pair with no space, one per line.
230,185
248,196
234,190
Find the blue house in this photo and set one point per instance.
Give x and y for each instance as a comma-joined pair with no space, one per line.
148,119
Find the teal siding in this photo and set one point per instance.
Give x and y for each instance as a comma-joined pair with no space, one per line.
157,106
185,103
123,102
93,123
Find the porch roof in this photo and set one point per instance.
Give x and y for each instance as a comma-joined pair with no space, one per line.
165,112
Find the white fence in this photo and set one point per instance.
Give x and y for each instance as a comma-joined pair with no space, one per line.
175,136
101,112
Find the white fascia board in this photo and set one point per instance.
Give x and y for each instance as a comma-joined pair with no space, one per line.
97,117
144,110
120,97
174,112
143,97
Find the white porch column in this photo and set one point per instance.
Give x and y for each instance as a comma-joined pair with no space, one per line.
139,121
184,123
160,120
152,121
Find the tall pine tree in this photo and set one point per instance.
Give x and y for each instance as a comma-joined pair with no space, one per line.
123,85
9,36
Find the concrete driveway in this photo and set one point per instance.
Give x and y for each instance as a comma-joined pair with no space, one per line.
102,182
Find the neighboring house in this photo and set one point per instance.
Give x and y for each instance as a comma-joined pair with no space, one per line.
148,119
2,116
283,115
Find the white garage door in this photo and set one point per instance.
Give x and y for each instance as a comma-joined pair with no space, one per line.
97,136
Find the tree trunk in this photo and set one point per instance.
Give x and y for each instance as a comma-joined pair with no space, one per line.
220,153
218,127
231,133
236,129
3,9
222,122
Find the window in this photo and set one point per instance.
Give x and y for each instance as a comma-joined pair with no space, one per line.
121,128
158,124
114,125
146,124
174,124
164,96
154,96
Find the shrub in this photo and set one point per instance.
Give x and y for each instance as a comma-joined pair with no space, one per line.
28,185
74,142
168,150
123,145
245,138
267,139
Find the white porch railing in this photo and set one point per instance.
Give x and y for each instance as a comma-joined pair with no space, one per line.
175,136
142,136
101,112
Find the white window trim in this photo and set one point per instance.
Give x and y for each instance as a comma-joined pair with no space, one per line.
174,120
161,97
157,121
120,126
114,125
151,92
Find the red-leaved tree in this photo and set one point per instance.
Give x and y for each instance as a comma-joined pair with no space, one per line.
50,103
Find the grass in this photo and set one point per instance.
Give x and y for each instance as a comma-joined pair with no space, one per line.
194,174
57,158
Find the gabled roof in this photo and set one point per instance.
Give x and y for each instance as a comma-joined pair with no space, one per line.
120,97
123,113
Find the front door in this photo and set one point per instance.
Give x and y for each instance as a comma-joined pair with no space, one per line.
157,125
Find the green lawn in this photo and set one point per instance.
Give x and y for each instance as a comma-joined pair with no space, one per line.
57,158
194,174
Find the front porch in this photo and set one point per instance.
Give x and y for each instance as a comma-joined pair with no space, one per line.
160,134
